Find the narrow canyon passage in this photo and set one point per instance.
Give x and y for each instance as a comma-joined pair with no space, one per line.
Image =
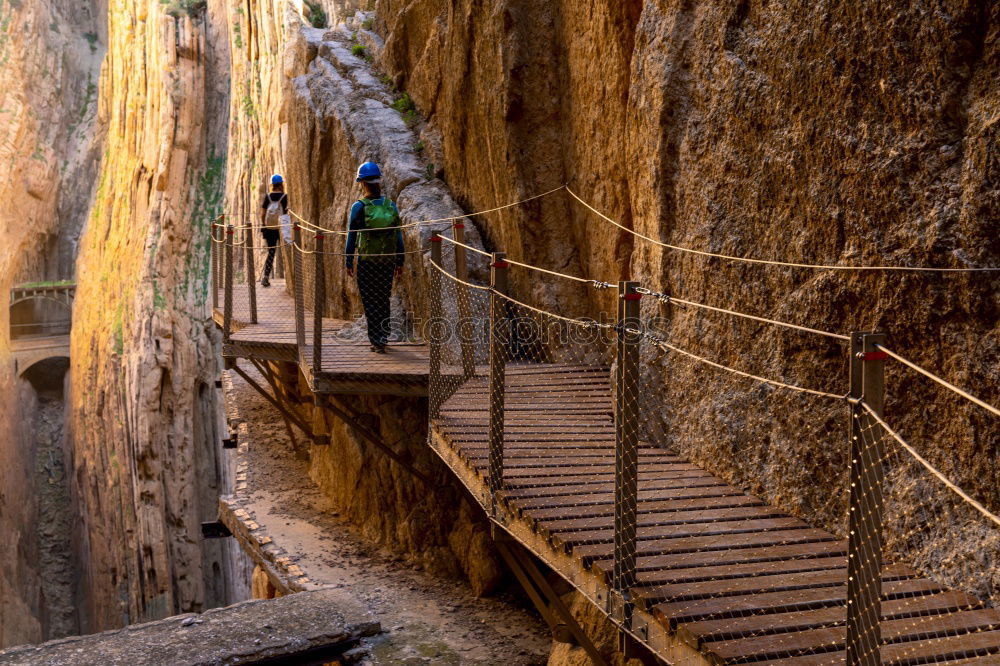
44,408
762,172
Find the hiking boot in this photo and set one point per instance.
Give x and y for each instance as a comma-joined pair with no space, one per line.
265,282
378,349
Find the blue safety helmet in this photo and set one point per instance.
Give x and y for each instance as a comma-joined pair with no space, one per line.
276,179
369,172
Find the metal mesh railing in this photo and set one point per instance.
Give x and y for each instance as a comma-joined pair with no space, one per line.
565,421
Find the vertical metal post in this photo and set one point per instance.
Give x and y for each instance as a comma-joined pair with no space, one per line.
464,310
298,289
216,236
867,448
319,302
434,397
227,297
251,273
626,450
498,375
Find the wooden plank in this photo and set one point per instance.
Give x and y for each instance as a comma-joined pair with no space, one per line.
561,383
646,597
604,551
982,648
580,451
681,612
657,580
573,485
582,469
697,633
650,506
596,391
593,434
595,398
562,480
556,464
659,568
598,406
530,369
829,639
698,515
578,493
527,502
572,540
557,424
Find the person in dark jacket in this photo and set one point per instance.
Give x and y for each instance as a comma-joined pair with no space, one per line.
374,234
275,205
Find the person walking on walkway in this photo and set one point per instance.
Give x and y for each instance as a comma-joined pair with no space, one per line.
374,233
274,207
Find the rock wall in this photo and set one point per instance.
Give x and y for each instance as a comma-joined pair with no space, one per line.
50,54
815,132
143,361
429,523
808,132
317,113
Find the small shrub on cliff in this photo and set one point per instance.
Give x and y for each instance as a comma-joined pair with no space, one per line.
404,104
419,147
358,50
316,15
248,106
368,23
179,8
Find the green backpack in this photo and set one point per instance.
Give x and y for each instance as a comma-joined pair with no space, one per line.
382,217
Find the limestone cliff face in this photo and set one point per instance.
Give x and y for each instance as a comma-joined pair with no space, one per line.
813,132
142,352
50,53
313,111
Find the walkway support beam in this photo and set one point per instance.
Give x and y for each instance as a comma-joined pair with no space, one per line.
498,345
623,577
565,628
437,322
464,309
867,448
319,301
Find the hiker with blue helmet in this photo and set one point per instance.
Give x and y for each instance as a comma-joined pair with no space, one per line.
275,206
374,234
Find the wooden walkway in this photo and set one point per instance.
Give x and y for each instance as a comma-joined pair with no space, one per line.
349,366
723,577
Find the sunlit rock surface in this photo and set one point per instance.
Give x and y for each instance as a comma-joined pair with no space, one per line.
807,132
143,363
50,54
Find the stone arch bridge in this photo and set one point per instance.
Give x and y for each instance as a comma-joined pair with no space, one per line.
40,322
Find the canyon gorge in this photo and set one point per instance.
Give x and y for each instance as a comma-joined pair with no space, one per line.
813,132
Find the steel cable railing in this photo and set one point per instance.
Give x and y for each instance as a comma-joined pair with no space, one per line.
632,530
770,262
536,393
